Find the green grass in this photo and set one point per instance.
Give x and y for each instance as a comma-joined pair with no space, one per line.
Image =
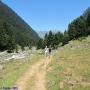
14,69
70,64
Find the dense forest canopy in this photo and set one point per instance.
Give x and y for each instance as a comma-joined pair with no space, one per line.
14,30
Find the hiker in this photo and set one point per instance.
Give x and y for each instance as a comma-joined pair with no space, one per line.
46,51
49,52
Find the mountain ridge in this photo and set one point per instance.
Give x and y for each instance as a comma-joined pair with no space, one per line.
24,34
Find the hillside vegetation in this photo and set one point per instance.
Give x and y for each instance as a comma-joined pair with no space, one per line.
79,27
14,30
13,69
70,67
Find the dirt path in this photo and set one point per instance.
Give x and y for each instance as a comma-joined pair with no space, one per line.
38,71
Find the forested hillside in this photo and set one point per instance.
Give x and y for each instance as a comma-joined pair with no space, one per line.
14,30
79,27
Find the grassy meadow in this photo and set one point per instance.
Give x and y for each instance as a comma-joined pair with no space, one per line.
70,67
13,70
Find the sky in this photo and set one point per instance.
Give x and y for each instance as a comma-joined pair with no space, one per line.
45,15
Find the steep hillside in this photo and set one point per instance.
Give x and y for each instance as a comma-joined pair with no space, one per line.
80,27
24,34
70,67
87,11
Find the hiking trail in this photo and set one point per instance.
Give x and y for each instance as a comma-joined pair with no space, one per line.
38,71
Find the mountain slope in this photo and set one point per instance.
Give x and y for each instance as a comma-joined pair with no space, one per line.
70,67
24,34
87,11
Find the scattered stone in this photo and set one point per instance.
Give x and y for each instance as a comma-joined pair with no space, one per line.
67,73
4,56
72,82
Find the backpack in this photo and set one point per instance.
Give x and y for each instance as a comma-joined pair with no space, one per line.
49,49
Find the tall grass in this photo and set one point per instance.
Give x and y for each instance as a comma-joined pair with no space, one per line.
70,67
14,69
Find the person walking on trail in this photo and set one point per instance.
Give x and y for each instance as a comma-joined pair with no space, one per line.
49,52
46,51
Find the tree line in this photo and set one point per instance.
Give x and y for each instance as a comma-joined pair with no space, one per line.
9,40
80,27
53,40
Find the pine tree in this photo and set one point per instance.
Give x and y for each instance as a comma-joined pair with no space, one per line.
40,44
50,39
66,38
88,23
77,28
